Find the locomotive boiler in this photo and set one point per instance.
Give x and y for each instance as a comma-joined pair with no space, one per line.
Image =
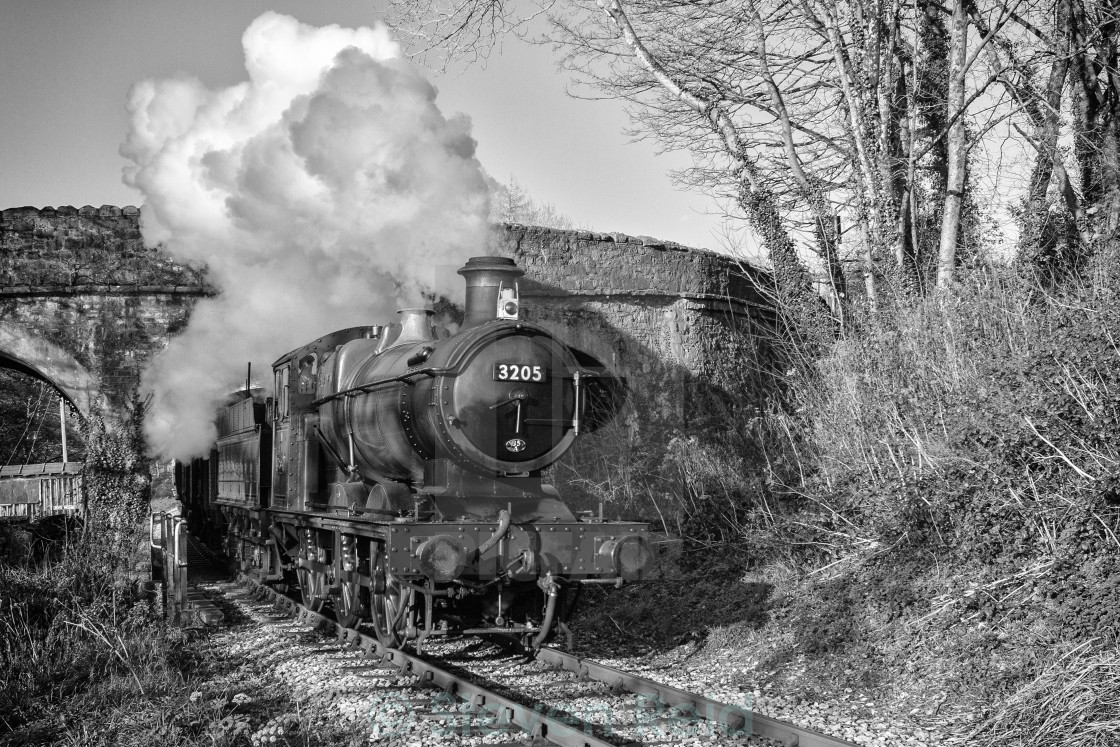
398,475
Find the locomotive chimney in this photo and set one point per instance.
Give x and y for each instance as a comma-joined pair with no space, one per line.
484,276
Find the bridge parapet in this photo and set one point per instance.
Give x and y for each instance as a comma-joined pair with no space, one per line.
87,250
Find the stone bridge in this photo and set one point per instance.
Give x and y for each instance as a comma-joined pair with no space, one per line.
84,305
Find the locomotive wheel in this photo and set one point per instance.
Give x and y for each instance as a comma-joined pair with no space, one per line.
245,556
389,603
352,604
229,538
312,588
237,543
313,585
250,553
351,600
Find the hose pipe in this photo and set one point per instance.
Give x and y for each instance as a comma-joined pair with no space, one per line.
504,520
553,591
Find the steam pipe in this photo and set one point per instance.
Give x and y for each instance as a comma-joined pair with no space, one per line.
366,388
347,468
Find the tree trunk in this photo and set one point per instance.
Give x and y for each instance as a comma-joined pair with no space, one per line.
828,238
957,152
1044,110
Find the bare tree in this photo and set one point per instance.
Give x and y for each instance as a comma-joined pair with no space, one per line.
754,198
512,203
840,129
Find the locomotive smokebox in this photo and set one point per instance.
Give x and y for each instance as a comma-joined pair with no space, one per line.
485,276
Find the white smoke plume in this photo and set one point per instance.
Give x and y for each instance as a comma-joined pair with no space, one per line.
321,193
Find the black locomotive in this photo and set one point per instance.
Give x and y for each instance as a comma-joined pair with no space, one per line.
397,474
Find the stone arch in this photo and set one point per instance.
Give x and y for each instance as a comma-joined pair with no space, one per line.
25,351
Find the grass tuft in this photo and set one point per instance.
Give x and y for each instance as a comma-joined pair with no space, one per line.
73,635
1074,701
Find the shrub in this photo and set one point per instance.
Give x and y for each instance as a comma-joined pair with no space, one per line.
714,480
78,623
980,421
72,628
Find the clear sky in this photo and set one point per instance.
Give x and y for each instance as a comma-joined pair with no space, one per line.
66,67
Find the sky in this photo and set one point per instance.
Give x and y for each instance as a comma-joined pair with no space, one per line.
66,68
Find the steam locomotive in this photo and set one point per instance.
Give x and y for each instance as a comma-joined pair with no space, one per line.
398,474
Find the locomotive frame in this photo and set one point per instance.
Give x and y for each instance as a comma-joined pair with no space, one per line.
397,474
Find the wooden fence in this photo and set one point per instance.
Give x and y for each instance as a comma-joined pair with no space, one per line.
33,491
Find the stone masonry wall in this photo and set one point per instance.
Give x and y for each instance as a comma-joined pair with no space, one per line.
682,325
82,280
86,250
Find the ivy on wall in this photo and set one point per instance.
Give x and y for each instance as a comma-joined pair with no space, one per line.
117,481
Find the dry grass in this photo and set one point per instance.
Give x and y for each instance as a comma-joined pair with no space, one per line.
86,660
72,637
1073,702
885,395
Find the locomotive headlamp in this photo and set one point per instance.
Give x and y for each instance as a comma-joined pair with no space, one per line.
441,558
508,303
631,556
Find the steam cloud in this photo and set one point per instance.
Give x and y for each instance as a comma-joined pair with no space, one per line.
321,193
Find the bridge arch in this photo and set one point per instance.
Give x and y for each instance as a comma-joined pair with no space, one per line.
23,350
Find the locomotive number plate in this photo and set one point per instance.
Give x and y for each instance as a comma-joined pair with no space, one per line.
519,372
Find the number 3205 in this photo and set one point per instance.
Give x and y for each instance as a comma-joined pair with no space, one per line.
519,372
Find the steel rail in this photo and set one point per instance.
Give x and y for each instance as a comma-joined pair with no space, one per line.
566,730
563,729
734,718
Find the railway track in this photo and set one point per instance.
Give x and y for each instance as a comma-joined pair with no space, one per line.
483,691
